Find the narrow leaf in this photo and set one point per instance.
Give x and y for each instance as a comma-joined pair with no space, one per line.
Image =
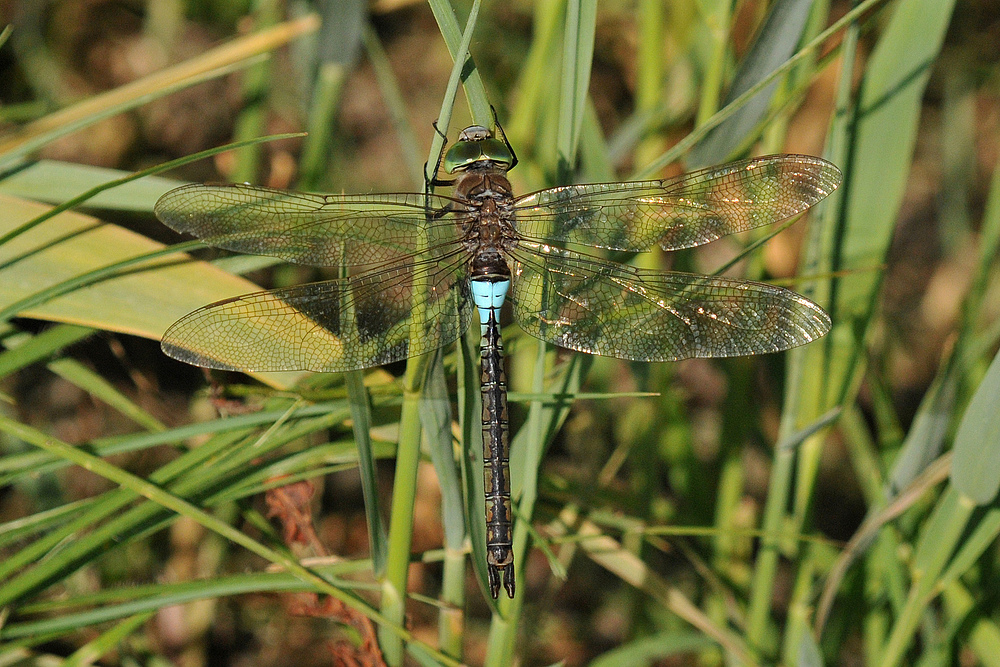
978,442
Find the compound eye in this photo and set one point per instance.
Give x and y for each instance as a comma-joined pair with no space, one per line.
476,144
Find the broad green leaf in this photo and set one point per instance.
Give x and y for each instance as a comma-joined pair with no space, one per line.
54,182
143,301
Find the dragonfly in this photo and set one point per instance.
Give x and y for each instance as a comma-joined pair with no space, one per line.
415,268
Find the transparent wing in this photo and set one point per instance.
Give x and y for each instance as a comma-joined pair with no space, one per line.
682,212
359,322
321,230
591,305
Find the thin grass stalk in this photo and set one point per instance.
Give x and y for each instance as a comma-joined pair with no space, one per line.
436,419
758,613
799,613
34,463
649,72
533,83
807,378
717,20
157,169
343,39
24,529
182,507
470,411
404,491
577,60
39,347
68,534
727,542
61,616
106,642
335,52
458,42
939,537
361,422
252,119
888,112
187,476
89,381
327,88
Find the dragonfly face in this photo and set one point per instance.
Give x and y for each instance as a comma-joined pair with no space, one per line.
418,265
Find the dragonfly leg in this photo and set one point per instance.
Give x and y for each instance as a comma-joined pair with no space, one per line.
496,124
435,181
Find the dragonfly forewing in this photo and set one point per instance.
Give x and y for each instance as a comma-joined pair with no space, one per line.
591,305
682,212
313,229
337,325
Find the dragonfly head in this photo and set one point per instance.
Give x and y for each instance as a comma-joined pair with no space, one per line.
477,146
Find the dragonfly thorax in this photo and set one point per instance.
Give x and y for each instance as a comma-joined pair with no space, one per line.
488,223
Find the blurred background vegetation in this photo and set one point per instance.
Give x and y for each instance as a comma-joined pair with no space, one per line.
833,505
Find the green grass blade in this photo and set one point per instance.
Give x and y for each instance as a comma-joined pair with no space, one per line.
470,411
22,353
55,182
435,415
689,141
578,56
883,137
938,539
177,504
86,379
978,440
106,642
361,418
337,49
774,44
458,42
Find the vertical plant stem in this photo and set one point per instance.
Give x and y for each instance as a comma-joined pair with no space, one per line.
253,118
767,559
404,491
327,88
717,22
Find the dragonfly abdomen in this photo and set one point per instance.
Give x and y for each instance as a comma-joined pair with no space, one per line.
489,291
496,462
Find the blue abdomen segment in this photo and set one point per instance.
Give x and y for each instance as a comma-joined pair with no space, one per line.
489,295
